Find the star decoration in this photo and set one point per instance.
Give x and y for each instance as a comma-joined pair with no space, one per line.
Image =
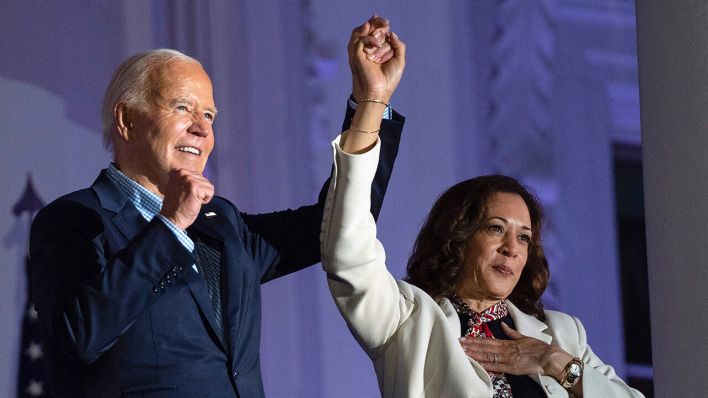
35,388
34,351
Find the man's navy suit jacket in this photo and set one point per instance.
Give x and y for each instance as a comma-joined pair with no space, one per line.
124,314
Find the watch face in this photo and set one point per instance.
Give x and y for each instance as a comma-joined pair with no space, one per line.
575,370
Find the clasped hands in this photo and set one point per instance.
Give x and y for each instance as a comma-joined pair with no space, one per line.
376,59
521,355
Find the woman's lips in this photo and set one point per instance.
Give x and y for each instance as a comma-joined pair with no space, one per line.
503,269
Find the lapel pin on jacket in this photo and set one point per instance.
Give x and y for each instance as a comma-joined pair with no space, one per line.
209,214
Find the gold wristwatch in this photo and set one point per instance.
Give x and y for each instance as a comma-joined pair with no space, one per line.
572,372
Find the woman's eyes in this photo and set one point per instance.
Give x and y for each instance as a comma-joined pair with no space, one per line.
499,229
496,228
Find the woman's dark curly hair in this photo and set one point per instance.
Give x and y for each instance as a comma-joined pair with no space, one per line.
438,255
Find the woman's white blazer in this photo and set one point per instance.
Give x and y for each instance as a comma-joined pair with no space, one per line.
411,339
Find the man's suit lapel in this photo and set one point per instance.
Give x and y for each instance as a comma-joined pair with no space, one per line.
200,293
127,218
213,226
234,273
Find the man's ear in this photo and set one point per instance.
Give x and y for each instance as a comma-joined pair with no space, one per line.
122,120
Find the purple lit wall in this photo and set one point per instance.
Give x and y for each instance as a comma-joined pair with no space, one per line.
539,90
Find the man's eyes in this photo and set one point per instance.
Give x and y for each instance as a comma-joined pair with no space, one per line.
185,108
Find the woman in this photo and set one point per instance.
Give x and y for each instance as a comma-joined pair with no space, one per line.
468,321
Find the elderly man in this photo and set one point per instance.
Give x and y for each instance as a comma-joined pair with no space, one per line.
147,284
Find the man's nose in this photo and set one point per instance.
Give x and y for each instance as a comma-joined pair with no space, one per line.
200,126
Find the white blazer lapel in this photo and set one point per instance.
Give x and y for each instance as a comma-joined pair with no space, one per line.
452,319
528,325
453,323
532,327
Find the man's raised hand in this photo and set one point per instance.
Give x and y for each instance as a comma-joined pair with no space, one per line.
185,194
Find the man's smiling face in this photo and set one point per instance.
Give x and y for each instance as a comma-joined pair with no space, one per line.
174,129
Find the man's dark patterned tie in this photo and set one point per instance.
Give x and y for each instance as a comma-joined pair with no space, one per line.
209,263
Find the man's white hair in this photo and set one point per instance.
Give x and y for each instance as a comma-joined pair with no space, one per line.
131,85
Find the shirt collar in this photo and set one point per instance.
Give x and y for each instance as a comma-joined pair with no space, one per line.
497,311
147,203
